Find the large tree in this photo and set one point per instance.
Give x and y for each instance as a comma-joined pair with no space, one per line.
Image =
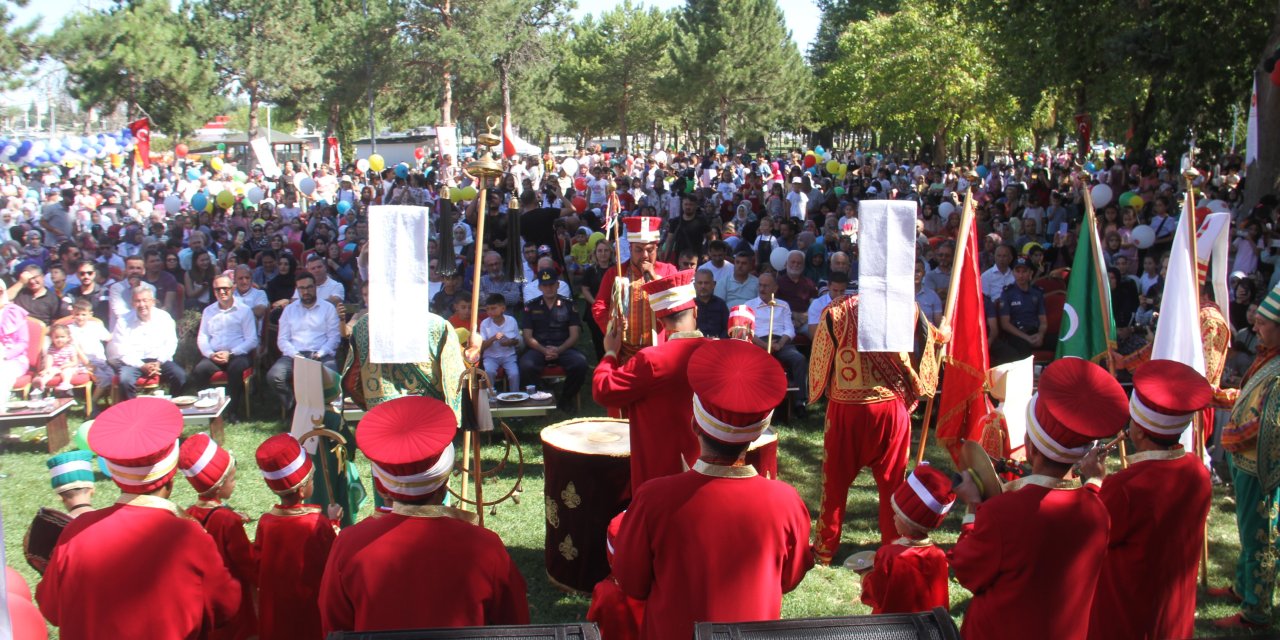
17,45
738,66
140,54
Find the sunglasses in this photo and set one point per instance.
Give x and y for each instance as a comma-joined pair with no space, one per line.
222,288
84,273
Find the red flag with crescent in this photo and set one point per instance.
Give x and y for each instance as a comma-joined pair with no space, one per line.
142,141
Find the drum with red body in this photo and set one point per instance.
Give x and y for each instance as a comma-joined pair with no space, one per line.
763,454
587,482
43,535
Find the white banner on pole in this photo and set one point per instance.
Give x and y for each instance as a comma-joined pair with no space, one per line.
262,151
447,141
886,276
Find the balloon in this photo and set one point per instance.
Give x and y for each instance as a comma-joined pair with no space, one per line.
23,150
226,199
199,201
297,180
322,203
983,171
402,170
180,150
839,191
54,144
720,148
1136,202
377,163
779,258
579,204
569,166
172,204
819,150
221,146
1143,236
833,167
215,163
193,174
580,184
362,165
239,177
1101,195
946,209
73,143
343,207
419,153
463,194
307,186
1090,167
810,160
81,438
255,194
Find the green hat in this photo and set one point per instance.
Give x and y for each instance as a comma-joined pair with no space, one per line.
71,470
1270,306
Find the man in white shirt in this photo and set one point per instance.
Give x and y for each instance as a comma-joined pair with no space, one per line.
120,294
837,285
999,276
719,267
531,291
228,335
798,198
145,340
247,294
780,332
327,288
195,244
741,285
308,328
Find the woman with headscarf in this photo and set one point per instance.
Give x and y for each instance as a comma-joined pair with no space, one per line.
815,261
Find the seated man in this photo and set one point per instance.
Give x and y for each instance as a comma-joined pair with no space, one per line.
775,331
228,335
532,290
33,296
309,327
494,280
146,339
247,294
551,328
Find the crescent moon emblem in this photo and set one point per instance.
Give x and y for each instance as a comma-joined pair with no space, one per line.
1073,322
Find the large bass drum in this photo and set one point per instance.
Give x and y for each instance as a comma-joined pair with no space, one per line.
588,481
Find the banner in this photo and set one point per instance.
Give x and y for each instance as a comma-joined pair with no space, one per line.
335,155
886,276
1084,127
262,151
142,135
447,141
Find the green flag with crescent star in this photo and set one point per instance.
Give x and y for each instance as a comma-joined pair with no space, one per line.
1087,324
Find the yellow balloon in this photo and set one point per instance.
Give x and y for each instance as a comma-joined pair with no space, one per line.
1136,202
117,160
226,199
208,205
239,189
377,163
216,164
833,166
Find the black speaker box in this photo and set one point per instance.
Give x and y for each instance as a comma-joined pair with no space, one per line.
933,625
576,631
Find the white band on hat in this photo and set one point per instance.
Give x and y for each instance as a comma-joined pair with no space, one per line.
206,456
289,468
743,311
1046,444
418,484
68,467
673,297
139,476
1152,420
922,492
723,431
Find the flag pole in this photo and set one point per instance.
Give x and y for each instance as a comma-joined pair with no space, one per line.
962,243
1197,418
1103,299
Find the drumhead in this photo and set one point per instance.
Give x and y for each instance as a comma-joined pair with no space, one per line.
768,437
591,436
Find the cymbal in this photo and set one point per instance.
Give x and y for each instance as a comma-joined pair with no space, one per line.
976,461
860,562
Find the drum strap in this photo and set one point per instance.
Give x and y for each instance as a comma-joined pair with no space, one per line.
209,514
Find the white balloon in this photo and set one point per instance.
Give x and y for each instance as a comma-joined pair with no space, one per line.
73,143
173,204
297,180
946,209
1143,236
1101,195
570,167
362,165
54,144
254,194
778,258
307,186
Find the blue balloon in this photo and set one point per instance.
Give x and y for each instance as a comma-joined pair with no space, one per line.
1090,167
819,150
23,150
199,201
982,171
720,148
402,170
344,207
193,174
322,203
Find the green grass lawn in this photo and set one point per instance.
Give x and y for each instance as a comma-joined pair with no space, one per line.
24,487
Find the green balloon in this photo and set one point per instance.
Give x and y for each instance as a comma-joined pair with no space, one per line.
81,439
222,146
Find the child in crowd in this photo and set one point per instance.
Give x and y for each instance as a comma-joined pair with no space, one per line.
292,543
212,473
461,318
617,614
909,575
581,249
501,336
71,476
62,360
90,336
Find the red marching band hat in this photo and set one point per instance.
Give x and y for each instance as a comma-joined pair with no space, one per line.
643,229
138,438
735,388
285,465
611,536
203,462
742,317
672,294
1077,402
925,498
1166,394
409,441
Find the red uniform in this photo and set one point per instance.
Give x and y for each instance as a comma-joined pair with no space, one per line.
640,321
908,576
1147,589
617,614
653,389
709,545
141,569
227,529
1032,558
292,544
420,566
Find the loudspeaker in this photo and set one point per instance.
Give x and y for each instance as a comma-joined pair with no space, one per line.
574,631
932,625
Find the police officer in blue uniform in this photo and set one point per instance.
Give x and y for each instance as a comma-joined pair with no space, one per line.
551,329
1022,317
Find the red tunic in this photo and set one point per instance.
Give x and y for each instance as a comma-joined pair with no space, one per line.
420,567
653,388
617,614
1147,589
640,321
227,528
142,569
1032,558
908,576
705,546
292,544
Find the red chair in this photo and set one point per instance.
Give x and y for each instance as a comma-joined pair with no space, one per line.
80,381
555,374
1049,284
219,379
35,348
146,384
1054,304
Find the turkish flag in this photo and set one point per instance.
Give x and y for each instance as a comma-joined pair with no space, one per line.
963,401
1084,126
142,138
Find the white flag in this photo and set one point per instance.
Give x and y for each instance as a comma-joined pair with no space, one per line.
1251,138
1178,330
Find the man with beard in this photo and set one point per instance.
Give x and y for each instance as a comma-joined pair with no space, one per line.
639,330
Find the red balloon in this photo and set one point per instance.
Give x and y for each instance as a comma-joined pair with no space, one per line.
15,584
579,204
580,184
180,150
608,157
809,161
419,153
28,623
